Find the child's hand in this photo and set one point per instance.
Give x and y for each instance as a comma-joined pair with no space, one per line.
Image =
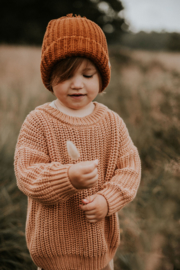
95,207
84,174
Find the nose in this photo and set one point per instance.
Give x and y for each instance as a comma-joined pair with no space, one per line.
76,83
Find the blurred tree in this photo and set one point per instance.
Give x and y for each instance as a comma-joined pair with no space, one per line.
25,21
146,41
174,42
155,41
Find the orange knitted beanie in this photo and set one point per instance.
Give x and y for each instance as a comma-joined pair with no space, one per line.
74,36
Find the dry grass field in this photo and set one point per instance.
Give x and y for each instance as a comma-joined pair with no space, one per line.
145,91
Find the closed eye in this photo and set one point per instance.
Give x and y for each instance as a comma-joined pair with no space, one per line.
88,76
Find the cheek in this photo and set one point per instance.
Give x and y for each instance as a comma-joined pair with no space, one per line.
98,82
94,88
95,85
59,89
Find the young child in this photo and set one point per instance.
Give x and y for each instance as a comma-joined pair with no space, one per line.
72,220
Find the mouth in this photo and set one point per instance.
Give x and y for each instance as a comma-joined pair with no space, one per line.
77,95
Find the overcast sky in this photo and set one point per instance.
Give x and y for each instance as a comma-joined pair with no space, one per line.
152,15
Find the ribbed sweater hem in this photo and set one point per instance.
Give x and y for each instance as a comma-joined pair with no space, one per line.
72,262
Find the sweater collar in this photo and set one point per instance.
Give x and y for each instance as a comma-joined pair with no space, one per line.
98,112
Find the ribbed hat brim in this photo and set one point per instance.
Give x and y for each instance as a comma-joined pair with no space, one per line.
75,46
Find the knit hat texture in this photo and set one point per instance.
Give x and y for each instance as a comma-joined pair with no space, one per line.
74,36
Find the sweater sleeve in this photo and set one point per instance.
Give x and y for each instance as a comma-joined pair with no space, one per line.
123,186
37,177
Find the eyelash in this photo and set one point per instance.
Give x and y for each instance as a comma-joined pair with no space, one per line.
88,76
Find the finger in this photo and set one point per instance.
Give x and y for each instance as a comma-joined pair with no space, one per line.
90,212
93,221
87,207
92,181
89,167
90,217
87,200
90,175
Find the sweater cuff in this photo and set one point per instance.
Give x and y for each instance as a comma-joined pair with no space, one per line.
112,199
60,182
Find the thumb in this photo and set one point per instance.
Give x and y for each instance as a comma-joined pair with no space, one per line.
96,161
89,199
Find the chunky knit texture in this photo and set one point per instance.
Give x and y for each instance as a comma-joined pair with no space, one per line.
58,235
74,36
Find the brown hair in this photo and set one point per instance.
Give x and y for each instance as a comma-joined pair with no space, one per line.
65,68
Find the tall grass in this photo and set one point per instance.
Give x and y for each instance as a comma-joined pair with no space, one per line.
145,92
147,95
21,90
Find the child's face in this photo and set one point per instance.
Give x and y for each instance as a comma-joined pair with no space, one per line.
84,81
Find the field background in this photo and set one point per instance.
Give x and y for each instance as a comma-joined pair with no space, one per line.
145,91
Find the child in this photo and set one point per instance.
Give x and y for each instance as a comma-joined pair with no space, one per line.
72,220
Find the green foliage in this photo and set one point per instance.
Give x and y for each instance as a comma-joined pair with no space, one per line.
25,22
174,42
151,41
13,251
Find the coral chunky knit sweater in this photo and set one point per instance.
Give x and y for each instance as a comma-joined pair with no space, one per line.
58,234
